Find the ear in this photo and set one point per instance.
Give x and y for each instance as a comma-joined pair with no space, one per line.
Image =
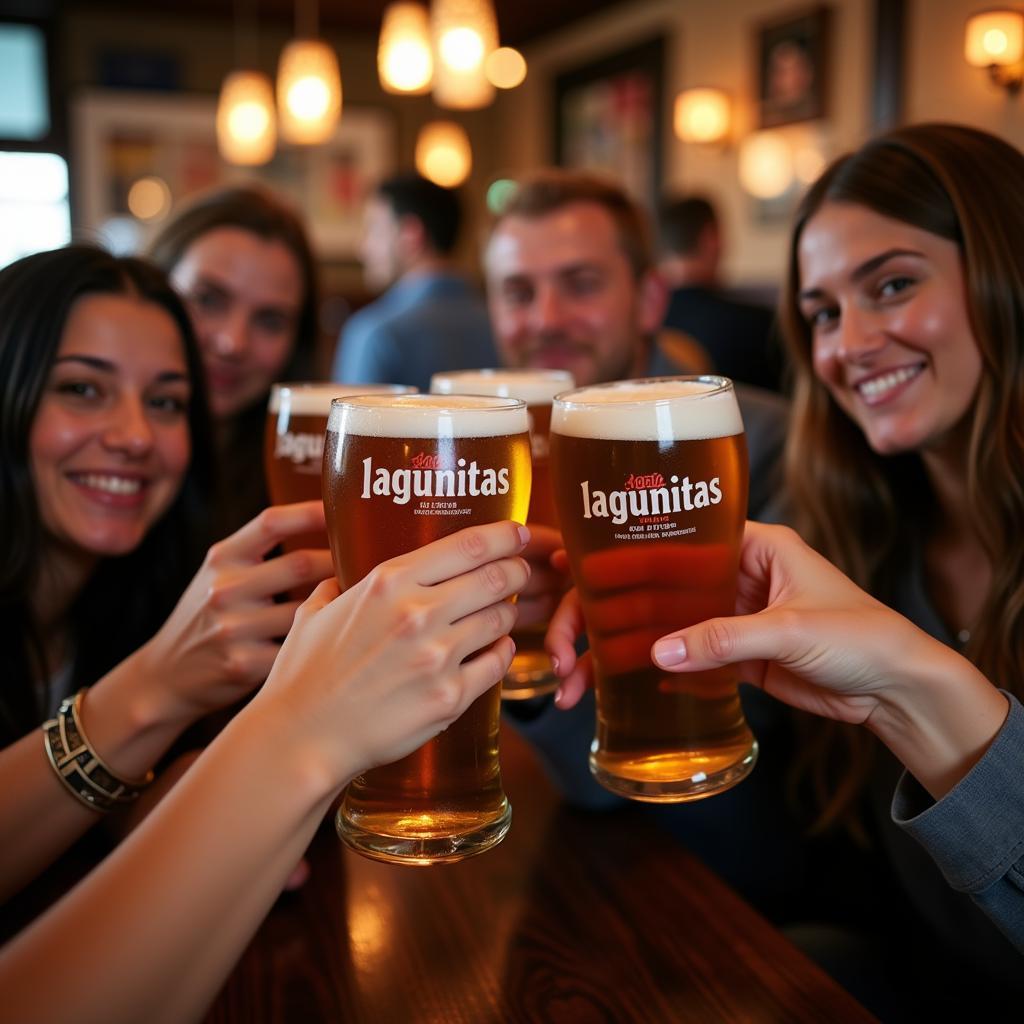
412,238
652,301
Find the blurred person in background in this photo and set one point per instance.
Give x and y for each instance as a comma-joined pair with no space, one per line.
241,260
738,337
429,318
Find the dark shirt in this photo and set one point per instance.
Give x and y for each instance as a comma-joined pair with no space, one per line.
739,338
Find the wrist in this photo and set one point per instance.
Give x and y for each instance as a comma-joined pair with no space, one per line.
938,714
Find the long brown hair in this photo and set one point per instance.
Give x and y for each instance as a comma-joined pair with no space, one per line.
863,510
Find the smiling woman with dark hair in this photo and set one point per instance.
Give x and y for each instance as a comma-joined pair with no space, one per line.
104,487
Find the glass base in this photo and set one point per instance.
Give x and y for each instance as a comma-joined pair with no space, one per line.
432,839
672,778
530,675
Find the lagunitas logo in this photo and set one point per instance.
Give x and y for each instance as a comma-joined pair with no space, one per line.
299,447
426,479
649,494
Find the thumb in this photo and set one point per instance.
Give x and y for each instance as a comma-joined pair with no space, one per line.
723,641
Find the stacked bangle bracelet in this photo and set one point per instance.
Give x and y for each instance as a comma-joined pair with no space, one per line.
79,767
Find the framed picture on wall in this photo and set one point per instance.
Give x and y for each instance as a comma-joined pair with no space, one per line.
169,142
609,116
792,68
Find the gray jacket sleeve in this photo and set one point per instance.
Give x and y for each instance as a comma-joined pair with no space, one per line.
975,833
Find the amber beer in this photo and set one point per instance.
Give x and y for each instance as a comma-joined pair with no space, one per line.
293,443
651,484
530,674
399,472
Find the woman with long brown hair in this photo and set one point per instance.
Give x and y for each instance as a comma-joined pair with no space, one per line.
904,315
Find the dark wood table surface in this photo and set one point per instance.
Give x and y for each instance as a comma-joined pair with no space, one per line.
576,918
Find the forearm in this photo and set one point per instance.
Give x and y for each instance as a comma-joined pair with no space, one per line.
174,906
939,716
125,724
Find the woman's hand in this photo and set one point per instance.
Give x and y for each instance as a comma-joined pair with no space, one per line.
367,676
547,582
224,634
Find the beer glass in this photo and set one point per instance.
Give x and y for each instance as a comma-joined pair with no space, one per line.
401,471
530,673
293,443
651,485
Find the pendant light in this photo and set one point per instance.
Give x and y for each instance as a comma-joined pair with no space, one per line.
308,83
405,63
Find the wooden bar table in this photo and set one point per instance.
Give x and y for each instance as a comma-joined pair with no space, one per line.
575,918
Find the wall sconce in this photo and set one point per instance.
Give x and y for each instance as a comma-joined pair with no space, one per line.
443,153
702,115
995,40
405,63
766,165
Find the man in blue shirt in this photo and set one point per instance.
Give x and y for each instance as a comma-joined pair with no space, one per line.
430,318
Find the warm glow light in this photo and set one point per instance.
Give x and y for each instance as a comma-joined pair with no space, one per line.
308,91
994,37
765,165
505,68
464,32
246,130
149,198
808,163
443,153
404,61
702,115
462,49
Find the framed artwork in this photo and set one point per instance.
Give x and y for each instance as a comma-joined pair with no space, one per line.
792,68
609,116
120,138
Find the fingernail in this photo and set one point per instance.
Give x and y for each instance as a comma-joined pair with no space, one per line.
558,697
670,651
524,535
554,663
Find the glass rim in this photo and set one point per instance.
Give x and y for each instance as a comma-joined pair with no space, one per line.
326,385
722,384
541,373
488,403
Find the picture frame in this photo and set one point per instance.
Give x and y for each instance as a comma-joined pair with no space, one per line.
793,67
120,136
609,117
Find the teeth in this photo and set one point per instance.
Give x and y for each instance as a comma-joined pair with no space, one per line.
110,484
877,386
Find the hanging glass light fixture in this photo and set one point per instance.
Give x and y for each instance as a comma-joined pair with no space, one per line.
443,153
246,121
405,63
246,132
464,34
308,83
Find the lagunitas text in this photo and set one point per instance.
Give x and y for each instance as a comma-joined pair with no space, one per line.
649,495
427,480
299,447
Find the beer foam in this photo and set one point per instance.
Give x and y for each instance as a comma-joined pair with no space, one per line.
655,409
315,399
427,416
535,387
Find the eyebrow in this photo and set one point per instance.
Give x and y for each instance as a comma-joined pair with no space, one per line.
213,284
105,366
866,268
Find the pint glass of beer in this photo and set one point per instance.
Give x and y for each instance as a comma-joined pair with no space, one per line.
293,443
651,485
530,673
401,471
